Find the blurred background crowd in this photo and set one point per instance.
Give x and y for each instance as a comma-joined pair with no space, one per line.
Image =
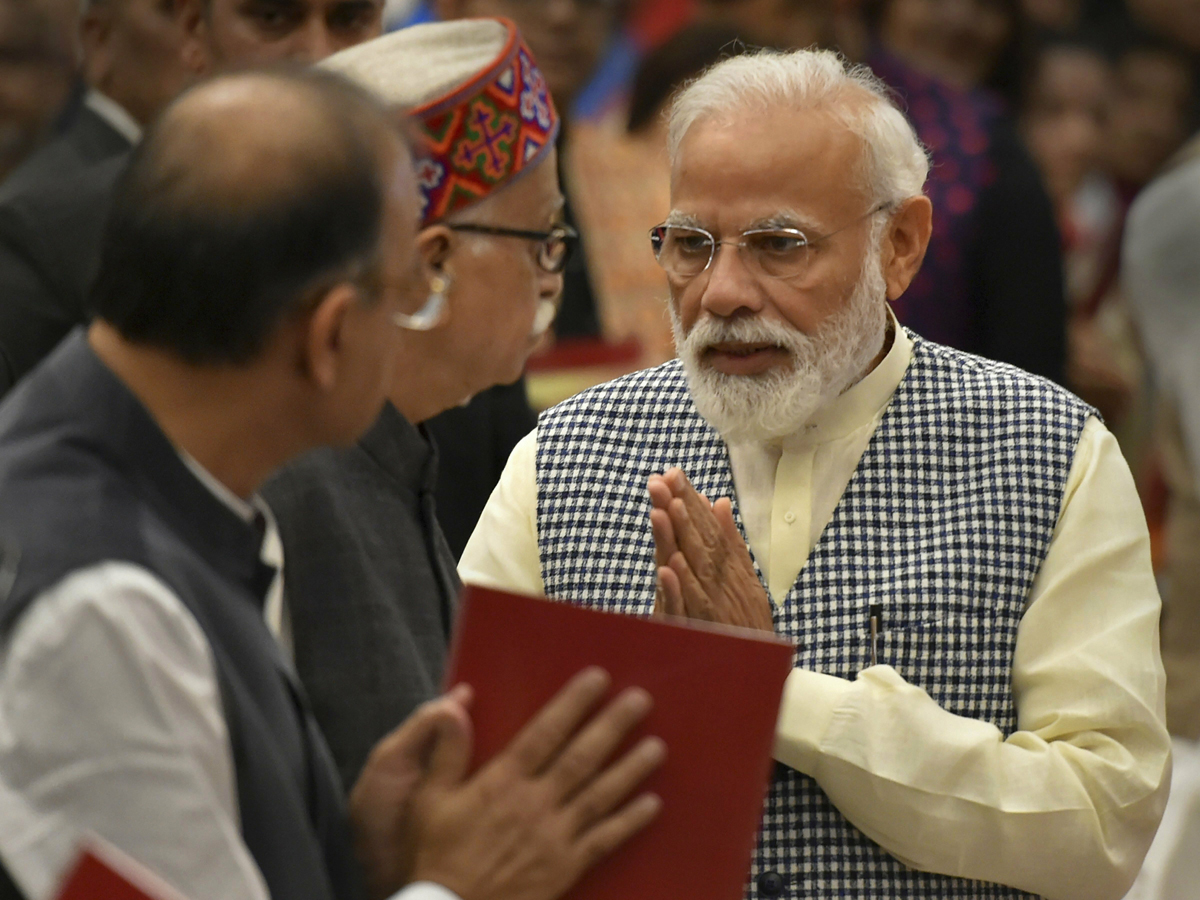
1065,184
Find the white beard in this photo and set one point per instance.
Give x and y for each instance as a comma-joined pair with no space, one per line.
779,402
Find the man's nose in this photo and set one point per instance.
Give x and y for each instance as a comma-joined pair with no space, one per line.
312,42
730,287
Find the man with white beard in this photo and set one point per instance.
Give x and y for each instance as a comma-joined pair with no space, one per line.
955,546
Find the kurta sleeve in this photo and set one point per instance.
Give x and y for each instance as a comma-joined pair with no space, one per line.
1066,806
503,550
111,721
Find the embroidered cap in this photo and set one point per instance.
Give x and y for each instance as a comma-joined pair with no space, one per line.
482,103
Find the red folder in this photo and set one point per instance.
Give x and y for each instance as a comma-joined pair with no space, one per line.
102,872
716,698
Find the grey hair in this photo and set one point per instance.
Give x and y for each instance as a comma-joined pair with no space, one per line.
894,165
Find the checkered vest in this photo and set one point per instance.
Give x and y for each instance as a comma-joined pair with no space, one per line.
945,523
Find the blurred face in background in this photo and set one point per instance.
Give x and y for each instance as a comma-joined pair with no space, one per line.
242,33
1056,15
1149,113
567,37
37,68
132,53
1065,116
958,41
1179,19
788,24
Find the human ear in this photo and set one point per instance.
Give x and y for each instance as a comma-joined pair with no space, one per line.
94,29
435,249
324,345
194,51
905,242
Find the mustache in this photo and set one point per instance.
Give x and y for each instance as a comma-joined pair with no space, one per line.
708,331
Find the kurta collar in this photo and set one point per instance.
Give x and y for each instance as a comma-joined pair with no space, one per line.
114,114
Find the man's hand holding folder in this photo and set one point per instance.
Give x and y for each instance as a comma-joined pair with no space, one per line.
547,808
526,825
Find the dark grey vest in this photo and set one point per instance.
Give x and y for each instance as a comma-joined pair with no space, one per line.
86,476
944,523
370,583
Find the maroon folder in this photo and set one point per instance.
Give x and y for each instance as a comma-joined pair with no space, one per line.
716,698
102,872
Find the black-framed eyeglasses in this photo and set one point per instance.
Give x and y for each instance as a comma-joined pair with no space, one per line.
554,246
685,251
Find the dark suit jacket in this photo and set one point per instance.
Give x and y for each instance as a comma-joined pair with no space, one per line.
49,243
86,140
52,211
369,580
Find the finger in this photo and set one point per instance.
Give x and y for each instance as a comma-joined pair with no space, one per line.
544,735
451,747
723,513
700,550
462,694
672,597
664,536
696,600
596,743
677,481
615,783
611,833
659,490
701,512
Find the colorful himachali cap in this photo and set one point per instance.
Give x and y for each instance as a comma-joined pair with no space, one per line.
483,105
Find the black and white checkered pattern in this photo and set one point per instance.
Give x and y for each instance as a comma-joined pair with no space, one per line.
945,523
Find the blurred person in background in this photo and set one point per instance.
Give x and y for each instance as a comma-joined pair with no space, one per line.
1150,114
37,72
1160,283
965,43
1064,121
137,55
790,24
1053,15
132,67
992,283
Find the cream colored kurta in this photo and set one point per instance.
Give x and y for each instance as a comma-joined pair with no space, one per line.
1067,805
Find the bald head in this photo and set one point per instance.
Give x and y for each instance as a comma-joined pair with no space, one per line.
251,193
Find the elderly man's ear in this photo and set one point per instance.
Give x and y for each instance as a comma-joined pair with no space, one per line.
904,244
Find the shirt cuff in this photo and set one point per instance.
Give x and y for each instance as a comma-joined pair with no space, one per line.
425,890
809,702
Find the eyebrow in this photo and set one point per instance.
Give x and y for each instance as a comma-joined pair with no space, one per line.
684,220
787,218
784,218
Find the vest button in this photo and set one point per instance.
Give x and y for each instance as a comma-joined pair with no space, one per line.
770,884
789,517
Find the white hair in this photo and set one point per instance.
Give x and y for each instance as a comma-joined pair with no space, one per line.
894,165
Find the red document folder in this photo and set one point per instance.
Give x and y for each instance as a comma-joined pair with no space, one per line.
716,698
102,872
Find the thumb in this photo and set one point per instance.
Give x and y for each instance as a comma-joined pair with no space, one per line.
453,742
